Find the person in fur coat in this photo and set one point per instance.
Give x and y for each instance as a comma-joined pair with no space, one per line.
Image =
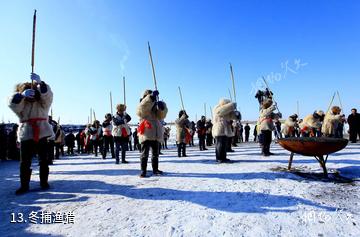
183,135
223,113
289,126
266,125
150,130
331,122
31,103
107,128
311,124
121,132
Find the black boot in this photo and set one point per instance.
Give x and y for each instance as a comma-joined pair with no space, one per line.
179,150
143,168
25,175
155,166
44,175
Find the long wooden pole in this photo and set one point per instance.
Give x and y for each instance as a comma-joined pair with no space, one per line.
297,108
111,103
152,66
94,115
211,112
90,115
338,94
230,94
181,98
33,46
267,86
331,101
124,90
233,82
205,109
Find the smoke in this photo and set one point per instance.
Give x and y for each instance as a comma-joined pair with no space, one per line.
122,49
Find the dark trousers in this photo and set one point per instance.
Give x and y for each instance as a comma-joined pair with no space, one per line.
51,150
209,139
121,144
220,147
80,147
130,146
108,141
181,149
145,148
354,134
165,144
70,150
247,137
202,142
137,146
95,144
229,143
27,151
59,148
266,141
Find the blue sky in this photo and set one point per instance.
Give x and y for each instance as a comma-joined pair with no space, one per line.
309,49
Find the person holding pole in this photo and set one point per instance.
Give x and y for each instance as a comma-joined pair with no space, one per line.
182,132
31,103
266,125
223,113
150,131
121,132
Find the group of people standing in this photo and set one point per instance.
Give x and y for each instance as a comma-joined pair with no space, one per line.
39,134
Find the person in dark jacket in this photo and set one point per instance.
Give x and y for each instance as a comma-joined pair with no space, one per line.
192,132
255,133
354,125
80,141
70,143
209,137
136,141
201,131
3,142
13,145
247,132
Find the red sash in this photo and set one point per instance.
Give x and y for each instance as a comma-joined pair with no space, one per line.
35,127
144,124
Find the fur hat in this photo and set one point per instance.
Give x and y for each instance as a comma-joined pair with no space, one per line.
181,113
146,92
266,103
121,107
223,101
318,114
335,109
294,116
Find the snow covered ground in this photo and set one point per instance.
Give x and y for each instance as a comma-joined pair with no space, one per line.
253,196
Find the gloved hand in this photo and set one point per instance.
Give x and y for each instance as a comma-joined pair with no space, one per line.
160,105
280,115
235,105
155,93
35,77
274,104
29,93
